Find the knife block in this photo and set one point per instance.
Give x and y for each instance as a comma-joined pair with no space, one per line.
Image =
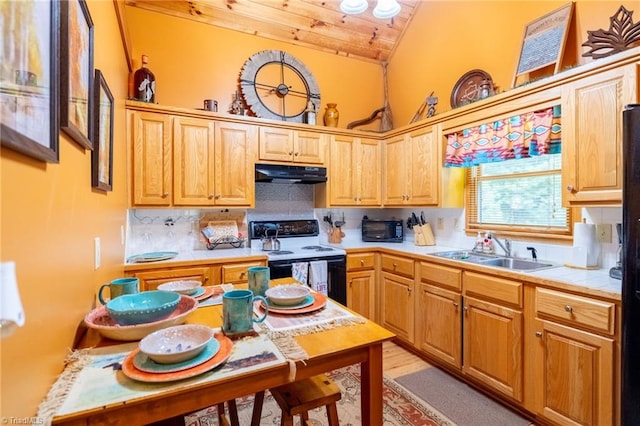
423,235
335,236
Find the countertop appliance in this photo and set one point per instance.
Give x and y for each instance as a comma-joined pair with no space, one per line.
280,173
382,230
300,243
631,267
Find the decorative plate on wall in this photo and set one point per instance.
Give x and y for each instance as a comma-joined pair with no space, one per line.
468,88
276,85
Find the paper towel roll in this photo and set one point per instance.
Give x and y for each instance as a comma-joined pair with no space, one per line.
12,314
584,237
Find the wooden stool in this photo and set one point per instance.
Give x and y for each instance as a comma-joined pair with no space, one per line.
299,397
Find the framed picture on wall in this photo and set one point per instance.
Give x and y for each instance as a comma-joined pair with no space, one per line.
76,70
102,135
29,78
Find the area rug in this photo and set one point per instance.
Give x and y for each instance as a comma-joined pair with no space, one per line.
401,407
458,401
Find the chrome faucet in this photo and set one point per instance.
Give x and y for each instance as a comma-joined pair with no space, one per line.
506,247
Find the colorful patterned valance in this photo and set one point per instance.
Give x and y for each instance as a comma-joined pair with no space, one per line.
520,136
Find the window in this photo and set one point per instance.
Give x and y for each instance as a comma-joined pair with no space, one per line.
521,196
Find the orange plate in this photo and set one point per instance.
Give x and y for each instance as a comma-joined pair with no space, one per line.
319,300
130,370
208,292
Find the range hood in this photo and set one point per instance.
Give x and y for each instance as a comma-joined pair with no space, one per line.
278,173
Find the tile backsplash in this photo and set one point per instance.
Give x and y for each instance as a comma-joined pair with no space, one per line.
179,229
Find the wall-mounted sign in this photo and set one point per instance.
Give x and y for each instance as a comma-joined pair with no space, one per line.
544,40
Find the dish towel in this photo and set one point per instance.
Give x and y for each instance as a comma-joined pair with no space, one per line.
300,272
318,276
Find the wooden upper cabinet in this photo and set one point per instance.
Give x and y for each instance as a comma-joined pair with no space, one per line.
194,161
186,161
235,155
592,136
286,145
150,136
354,173
412,169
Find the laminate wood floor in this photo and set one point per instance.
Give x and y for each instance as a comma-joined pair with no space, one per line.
397,361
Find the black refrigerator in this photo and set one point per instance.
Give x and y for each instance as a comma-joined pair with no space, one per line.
631,267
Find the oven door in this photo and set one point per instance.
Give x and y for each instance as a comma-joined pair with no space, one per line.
336,274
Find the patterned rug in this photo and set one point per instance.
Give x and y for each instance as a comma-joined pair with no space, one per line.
401,407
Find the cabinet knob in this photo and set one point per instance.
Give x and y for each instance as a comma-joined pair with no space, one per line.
455,305
296,153
361,262
538,333
571,188
568,308
165,195
409,289
242,274
395,265
210,196
217,196
466,309
290,152
206,279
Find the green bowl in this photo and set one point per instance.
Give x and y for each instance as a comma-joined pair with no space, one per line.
144,307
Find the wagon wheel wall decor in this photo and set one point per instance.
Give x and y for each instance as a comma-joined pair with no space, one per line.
278,86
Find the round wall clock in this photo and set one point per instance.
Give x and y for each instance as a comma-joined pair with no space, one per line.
468,88
276,85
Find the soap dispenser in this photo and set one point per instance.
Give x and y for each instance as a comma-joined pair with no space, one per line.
479,243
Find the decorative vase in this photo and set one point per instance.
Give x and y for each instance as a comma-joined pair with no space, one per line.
331,116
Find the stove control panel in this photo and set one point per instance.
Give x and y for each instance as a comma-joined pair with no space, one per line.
284,228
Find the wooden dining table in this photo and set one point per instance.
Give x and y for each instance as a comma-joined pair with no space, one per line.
358,343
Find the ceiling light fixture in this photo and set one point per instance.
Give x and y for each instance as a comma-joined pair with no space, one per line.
384,9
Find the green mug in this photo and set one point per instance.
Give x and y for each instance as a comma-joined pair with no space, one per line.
237,311
118,287
259,280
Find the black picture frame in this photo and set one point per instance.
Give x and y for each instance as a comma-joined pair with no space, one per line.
29,99
76,71
102,135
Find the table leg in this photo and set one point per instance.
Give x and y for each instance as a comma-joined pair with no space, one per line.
371,395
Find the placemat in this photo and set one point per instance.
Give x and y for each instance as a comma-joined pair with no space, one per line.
93,378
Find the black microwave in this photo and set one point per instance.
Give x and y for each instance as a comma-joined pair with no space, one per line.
382,230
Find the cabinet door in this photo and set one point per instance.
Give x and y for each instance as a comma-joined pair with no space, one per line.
592,136
150,135
439,324
397,305
150,280
575,376
493,346
235,157
342,173
368,172
360,292
276,144
396,173
309,147
425,169
193,161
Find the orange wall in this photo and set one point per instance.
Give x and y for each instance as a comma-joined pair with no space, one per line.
446,39
50,216
193,61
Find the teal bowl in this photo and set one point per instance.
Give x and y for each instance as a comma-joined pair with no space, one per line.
144,307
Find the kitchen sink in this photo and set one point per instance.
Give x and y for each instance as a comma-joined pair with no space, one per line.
516,264
494,260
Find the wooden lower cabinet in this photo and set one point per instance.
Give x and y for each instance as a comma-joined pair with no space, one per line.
237,273
397,301
360,289
439,324
493,345
152,278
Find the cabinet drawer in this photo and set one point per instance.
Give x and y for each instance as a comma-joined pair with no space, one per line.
237,273
576,310
361,261
397,265
493,288
441,275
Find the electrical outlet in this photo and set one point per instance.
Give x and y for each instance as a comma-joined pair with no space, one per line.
603,231
440,223
96,252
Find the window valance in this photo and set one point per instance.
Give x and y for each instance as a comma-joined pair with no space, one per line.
520,136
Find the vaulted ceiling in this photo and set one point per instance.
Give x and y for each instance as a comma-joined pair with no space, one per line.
317,24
